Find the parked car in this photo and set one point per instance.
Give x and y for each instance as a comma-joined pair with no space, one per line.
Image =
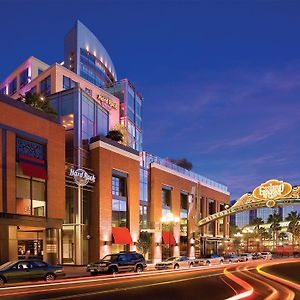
246,257
211,259
26,270
256,255
233,258
175,262
120,262
266,255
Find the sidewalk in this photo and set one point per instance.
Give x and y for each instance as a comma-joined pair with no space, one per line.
80,271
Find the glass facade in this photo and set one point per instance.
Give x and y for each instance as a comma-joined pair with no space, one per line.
83,118
131,111
119,201
93,70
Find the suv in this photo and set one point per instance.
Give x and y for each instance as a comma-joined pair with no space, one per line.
120,262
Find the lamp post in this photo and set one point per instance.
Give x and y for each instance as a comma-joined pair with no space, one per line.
170,220
247,231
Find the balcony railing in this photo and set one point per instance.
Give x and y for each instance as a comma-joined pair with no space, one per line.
147,158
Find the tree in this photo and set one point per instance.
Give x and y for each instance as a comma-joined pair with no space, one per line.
236,244
257,222
115,135
275,227
282,236
233,229
144,243
182,162
293,226
40,102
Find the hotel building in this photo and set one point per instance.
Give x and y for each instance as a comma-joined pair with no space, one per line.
113,191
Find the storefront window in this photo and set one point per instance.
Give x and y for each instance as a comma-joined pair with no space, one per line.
31,196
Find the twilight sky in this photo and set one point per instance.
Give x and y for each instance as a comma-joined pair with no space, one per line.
220,79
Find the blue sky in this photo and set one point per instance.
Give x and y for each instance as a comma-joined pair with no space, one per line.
220,79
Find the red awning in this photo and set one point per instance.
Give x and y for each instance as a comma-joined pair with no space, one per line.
33,170
168,238
121,235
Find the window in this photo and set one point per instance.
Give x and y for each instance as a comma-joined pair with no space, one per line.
40,71
68,83
3,91
30,196
30,191
166,197
102,122
24,77
13,86
119,201
119,186
45,87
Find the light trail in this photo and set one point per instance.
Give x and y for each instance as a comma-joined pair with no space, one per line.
245,285
281,280
79,284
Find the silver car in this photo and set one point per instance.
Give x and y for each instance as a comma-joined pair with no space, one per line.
246,257
175,262
211,259
266,255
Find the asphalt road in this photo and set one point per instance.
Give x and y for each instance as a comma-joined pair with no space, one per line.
249,280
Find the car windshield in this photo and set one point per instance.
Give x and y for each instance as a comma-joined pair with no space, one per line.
110,257
172,258
7,265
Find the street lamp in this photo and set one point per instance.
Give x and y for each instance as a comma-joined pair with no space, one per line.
170,220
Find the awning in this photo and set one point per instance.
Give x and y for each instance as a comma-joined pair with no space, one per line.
121,235
168,238
33,167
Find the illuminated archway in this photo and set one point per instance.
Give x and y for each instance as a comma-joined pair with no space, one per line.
269,194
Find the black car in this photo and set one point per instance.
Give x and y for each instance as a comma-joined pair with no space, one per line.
120,262
26,270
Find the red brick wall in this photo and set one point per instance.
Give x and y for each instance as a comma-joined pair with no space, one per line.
104,161
55,134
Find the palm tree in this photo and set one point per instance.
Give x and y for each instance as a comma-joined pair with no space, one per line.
282,236
275,227
294,219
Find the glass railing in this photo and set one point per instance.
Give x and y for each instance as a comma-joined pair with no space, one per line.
147,158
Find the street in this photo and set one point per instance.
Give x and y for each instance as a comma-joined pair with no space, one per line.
248,280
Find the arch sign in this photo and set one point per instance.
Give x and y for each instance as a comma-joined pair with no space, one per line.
269,194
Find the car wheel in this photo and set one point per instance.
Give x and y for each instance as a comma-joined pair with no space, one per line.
221,261
94,273
112,270
176,267
49,277
2,281
191,265
208,263
230,261
246,259
139,269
